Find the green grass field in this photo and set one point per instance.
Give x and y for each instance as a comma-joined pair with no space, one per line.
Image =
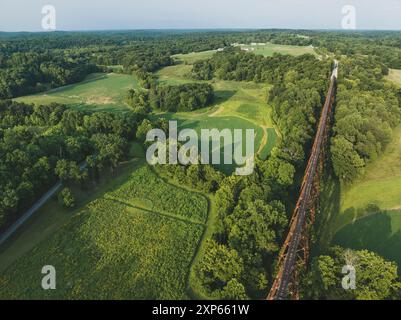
269,49
368,214
380,233
128,239
379,187
381,183
146,190
394,76
239,105
191,58
98,92
350,209
175,75
109,251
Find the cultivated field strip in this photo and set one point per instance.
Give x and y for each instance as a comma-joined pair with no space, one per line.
109,251
145,189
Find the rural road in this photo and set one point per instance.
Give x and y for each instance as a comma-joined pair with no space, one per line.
36,206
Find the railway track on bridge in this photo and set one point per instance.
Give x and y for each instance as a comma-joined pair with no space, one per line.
296,246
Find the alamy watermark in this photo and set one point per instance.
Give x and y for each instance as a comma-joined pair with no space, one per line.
349,17
197,151
49,18
49,280
349,280
349,269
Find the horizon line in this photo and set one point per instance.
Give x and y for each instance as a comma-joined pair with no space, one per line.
203,29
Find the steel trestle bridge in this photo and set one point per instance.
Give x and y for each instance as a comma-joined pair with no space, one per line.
294,253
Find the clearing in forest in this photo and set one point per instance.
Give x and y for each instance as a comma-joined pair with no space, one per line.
98,92
394,75
268,49
238,105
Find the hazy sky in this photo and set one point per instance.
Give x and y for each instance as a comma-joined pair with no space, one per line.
25,15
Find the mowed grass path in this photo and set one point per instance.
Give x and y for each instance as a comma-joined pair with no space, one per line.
239,105
131,242
98,92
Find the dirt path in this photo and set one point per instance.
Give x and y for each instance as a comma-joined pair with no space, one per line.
263,142
217,112
29,213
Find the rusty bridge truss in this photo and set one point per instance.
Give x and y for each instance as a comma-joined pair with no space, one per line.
294,253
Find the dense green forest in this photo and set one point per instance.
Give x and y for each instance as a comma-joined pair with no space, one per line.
34,62
28,72
377,278
42,143
367,110
185,97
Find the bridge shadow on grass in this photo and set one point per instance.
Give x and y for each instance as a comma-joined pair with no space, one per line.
380,232
327,216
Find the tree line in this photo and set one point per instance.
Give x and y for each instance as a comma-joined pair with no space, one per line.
23,73
40,144
184,97
368,108
235,64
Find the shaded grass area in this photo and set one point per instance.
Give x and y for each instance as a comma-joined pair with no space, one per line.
380,232
271,142
381,183
98,92
329,210
349,213
379,188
